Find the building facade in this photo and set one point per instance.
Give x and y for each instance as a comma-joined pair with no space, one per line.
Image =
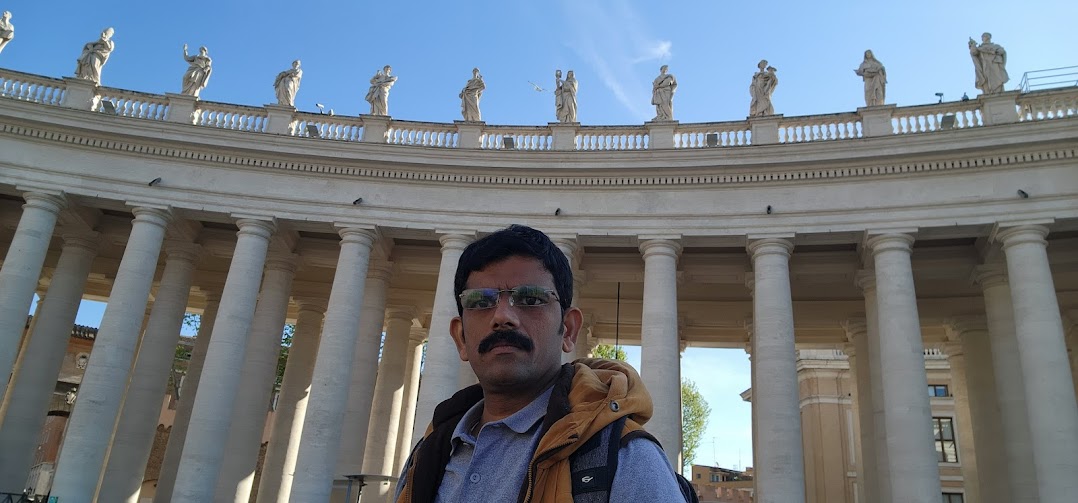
884,231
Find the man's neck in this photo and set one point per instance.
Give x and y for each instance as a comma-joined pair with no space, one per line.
500,403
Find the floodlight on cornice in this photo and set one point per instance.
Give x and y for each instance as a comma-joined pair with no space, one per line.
1023,194
321,108
154,182
769,209
557,212
358,201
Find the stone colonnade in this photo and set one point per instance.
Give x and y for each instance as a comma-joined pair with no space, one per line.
330,381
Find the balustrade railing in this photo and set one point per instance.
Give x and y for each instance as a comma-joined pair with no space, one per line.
29,87
524,138
1047,105
234,117
936,117
424,134
133,103
712,134
612,138
329,127
820,128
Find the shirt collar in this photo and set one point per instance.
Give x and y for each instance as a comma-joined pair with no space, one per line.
520,421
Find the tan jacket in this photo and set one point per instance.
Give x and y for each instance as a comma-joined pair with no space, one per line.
588,395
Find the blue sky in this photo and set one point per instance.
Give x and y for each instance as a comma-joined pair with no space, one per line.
615,48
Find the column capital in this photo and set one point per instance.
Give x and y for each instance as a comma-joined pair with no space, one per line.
417,335
849,350
156,216
404,313
359,235
455,240
570,248
277,261
890,241
183,250
952,350
380,270
960,326
256,227
1020,234
660,246
865,279
989,275
316,304
770,246
87,241
51,203
855,327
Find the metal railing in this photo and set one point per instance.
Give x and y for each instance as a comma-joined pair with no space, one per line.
1063,76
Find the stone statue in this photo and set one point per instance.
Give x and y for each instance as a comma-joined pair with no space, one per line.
565,96
378,94
7,30
286,85
71,395
469,97
875,79
763,85
662,95
990,64
198,73
93,57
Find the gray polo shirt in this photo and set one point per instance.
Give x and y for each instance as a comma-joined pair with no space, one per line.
491,467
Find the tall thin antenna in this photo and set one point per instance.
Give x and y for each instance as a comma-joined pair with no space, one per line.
617,323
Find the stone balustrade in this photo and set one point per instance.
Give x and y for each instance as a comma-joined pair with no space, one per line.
866,122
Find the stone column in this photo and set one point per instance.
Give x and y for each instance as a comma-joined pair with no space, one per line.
364,371
866,281
1049,388
411,394
135,431
967,449
20,272
1072,346
256,382
321,436
572,252
660,360
780,467
89,430
992,477
208,429
388,401
276,481
911,454
23,413
166,481
443,362
858,355
1010,389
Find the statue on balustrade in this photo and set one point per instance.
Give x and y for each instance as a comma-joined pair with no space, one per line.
875,79
469,97
198,73
7,30
662,95
93,57
762,87
565,96
378,94
286,85
990,64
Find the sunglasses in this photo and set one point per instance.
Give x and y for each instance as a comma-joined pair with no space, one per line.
475,299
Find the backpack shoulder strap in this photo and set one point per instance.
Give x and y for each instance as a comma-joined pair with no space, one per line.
593,465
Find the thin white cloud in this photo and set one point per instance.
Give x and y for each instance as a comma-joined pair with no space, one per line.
613,38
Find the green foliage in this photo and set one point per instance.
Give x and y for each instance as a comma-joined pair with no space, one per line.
694,415
192,321
609,352
282,358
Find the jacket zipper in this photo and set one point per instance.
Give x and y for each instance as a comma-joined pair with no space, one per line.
534,465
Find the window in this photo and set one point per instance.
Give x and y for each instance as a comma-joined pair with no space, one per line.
946,449
953,498
938,390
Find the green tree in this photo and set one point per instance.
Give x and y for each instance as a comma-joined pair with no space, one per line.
609,352
694,415
194,322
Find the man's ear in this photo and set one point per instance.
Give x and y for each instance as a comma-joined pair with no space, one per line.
571,323
456,330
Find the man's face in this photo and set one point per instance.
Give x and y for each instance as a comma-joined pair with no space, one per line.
508,364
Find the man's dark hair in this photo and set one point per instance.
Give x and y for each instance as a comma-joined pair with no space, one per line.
516,241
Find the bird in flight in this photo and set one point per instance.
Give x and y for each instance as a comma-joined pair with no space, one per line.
536,86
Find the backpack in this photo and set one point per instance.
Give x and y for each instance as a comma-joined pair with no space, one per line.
592,467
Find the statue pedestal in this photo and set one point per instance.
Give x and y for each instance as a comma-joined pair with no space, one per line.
469,133
999,108
280,119
765,129
80,94
564,135
375,128
660,134
181,108
876,121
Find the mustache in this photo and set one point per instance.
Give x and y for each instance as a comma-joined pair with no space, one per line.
509,337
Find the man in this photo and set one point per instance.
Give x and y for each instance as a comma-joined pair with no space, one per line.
510,437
